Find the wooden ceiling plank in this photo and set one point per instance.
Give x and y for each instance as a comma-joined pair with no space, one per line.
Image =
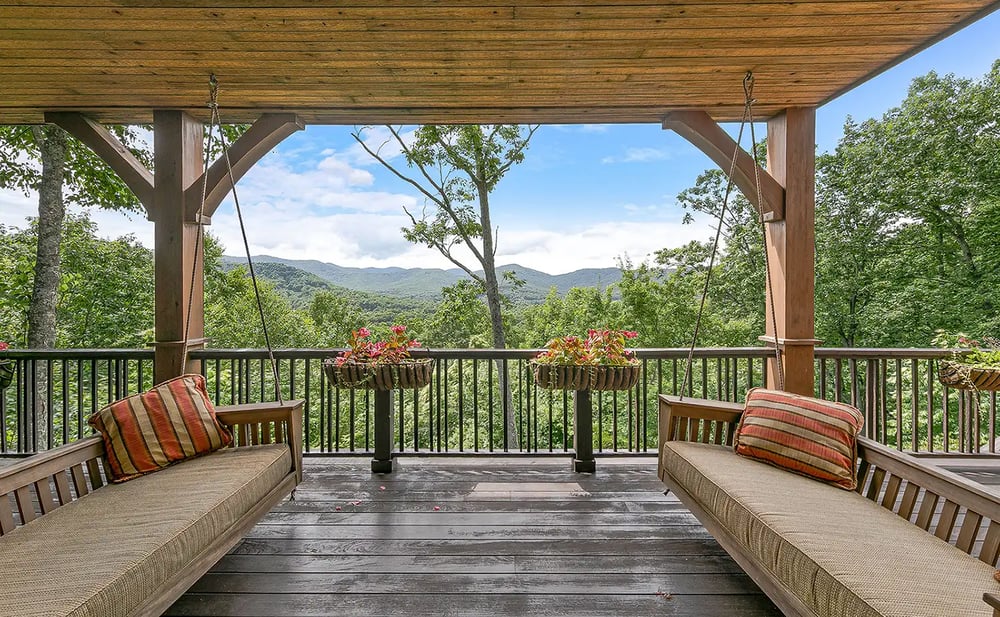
578,12
329,60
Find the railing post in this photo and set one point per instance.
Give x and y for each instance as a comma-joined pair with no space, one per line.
583,432
382,463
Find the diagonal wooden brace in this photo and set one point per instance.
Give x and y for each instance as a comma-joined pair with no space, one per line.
268,131
705,134
99,139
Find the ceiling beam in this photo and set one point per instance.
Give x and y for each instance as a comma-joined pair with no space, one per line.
705,134
267,132
99,139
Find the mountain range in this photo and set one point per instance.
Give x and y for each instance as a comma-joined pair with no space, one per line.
423,283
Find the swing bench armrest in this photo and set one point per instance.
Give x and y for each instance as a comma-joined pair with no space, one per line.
264,423
696,419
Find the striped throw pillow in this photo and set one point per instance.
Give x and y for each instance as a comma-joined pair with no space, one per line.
805,435
170,423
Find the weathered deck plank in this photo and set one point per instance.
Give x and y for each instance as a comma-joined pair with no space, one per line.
518,537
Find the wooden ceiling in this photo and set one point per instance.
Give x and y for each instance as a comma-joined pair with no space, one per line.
452,61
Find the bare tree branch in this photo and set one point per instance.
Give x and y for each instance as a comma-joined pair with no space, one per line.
443,249
378,157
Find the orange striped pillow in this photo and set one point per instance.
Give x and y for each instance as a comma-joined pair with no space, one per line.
147,432
805,435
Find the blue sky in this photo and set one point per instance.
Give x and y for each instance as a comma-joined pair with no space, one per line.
585,195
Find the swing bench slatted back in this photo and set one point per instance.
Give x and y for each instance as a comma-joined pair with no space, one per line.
941,503
74,475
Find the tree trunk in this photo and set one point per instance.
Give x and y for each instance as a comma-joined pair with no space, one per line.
51,142
496,318
51,212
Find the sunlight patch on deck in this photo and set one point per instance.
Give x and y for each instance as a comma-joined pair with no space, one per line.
526,490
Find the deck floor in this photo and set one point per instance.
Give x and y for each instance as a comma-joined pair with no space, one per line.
477,536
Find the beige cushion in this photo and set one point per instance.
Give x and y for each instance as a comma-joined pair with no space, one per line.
838,552
103,554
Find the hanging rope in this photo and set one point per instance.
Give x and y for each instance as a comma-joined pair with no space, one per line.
201,227
748,101
214,122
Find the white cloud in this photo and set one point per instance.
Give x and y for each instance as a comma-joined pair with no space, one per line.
581,128
15,208
598,245
638,155
331,210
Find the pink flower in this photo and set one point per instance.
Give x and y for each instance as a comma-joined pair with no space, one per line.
398,329
4,346
364,332
630,334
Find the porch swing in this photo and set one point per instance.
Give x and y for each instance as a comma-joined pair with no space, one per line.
136,545
789,527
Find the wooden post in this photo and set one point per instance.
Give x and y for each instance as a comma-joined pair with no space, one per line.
178,152
382,462
790,244
583,432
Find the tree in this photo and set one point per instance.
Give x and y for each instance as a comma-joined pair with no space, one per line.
335,316
231,315
908,205
45,159
105,287
457,167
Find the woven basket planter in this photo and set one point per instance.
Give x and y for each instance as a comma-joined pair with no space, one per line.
965,377
408,375
615,377
6,374
577,377
561,376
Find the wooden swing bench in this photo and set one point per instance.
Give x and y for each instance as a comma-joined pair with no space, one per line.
71,544
912,540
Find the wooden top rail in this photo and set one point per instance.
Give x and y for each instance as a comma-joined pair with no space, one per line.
941,482
45,464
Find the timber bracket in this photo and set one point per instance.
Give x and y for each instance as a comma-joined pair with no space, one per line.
705,134
111,150
268,131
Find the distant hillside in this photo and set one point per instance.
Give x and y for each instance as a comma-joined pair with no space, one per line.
300,286
419,283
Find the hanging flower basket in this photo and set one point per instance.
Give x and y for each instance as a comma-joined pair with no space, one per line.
585,377
561,376
6,374
366,376
966,377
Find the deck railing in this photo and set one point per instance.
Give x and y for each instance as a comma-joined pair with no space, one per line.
463,410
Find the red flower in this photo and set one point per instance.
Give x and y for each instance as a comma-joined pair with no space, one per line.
398,329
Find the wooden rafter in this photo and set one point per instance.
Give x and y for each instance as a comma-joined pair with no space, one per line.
705,134
268,131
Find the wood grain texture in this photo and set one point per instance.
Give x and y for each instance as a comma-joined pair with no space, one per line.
457,61
616,545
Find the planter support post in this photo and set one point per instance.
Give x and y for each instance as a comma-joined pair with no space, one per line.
583,432
382,463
